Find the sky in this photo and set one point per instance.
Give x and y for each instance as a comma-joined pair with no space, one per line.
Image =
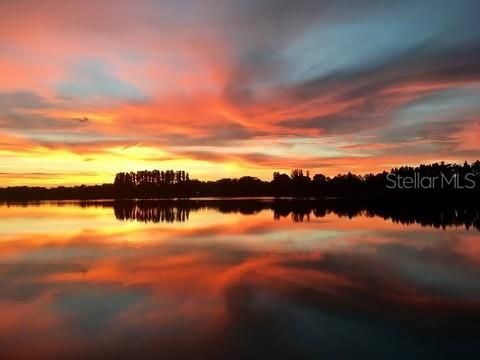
226,88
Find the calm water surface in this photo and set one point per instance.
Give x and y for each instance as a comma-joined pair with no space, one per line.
237,281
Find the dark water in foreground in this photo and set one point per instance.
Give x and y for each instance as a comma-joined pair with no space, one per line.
237,280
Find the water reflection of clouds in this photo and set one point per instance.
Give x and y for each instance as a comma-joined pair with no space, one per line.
239,283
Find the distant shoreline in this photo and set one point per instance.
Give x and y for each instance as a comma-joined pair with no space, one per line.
395,200
435,183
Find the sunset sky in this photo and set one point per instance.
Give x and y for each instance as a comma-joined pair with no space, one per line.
225,88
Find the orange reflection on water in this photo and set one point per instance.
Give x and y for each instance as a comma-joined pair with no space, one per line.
75,279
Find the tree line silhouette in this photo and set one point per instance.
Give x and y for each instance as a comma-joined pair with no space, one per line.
299,183
154,177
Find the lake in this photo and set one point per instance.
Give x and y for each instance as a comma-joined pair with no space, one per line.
237,279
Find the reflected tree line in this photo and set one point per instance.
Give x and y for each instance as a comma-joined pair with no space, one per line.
456,185
155,214
296,210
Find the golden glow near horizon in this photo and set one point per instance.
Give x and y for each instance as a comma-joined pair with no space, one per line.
88,91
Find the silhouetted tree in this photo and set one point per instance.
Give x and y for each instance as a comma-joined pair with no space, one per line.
170,183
